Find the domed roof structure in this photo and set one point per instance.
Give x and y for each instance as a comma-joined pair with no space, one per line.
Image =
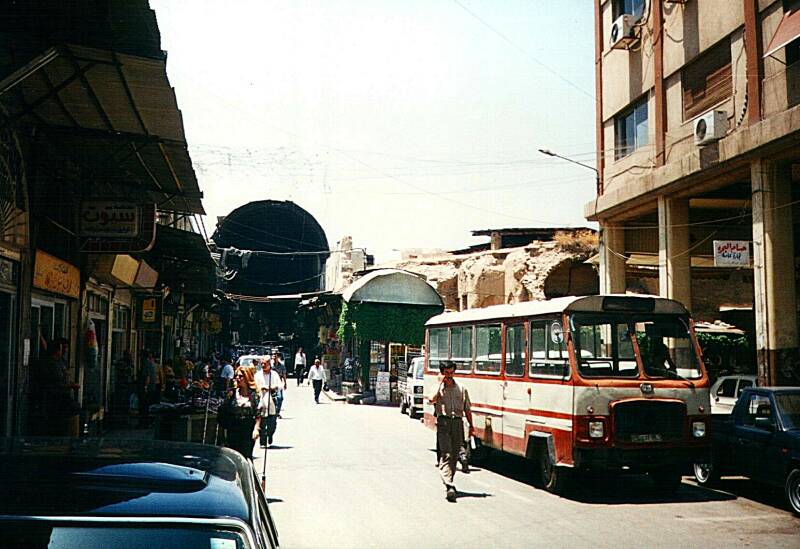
297,246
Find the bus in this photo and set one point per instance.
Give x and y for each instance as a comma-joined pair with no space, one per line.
602,382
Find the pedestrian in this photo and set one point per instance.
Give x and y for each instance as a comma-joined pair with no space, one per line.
299,365
51,397
225,373
280,368
239,413
451,405
268,383
316,374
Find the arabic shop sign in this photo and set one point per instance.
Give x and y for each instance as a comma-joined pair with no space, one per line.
116,226
731,253
56,275
109,219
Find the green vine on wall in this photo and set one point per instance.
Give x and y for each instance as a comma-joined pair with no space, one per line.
385,322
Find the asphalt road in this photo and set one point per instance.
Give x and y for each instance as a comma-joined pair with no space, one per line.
364,476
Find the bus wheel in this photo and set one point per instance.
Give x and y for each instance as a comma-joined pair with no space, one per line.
667,479
705,473
552,477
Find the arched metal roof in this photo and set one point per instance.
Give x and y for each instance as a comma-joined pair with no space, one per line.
392,286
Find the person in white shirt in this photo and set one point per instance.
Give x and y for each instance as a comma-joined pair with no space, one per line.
300,365
268,383
317,375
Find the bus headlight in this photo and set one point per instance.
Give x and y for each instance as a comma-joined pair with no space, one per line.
698,429
596,429
418,389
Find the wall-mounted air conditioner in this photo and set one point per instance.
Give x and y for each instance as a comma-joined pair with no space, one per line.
710,127
623,31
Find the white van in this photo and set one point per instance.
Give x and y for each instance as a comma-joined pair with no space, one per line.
726,390
411,397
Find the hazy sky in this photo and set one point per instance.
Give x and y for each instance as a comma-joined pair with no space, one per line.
403,123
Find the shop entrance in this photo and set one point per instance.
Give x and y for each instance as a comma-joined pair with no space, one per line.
8,330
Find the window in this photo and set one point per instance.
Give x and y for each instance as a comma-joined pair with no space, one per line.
487,349
793,73
758,407
437,341
461,348
515,350
707,81
631,129
727,388
634,7
743,384
548,350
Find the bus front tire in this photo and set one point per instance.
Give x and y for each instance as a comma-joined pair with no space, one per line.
552,477
705,474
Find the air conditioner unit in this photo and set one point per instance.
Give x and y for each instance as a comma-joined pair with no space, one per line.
710,127
623,31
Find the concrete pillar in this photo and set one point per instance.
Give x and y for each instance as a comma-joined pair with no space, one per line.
674,257
774,273
612,259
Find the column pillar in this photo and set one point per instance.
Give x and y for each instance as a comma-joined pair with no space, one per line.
612,259
774,273
674,257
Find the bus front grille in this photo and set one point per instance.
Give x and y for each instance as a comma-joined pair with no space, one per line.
644,422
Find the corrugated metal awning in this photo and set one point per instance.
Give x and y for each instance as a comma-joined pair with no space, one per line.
106,101
788,30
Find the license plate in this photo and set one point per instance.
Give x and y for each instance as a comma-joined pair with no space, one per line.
646,438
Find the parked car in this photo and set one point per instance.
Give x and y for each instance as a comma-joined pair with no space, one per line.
92,493
248,360
760,439
726,391
411,387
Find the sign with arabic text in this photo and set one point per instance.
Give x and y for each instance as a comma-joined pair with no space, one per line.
731,253
56,275
109,219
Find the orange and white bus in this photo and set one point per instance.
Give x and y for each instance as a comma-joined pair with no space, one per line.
580,383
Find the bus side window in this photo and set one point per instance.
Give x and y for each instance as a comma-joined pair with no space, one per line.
547,357
488,349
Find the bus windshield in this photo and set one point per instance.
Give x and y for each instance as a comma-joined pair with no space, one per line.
605,346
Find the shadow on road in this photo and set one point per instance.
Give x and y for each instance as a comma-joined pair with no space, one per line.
608,489
461,494
748,489
276,447
274,500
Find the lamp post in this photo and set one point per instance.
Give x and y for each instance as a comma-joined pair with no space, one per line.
548,152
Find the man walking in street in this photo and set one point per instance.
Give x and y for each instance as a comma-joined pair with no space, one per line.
268,384
451,405
280,368
299,365
317,375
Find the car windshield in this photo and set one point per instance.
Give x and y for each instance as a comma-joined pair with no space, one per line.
67,535
789,408
606,346
419,369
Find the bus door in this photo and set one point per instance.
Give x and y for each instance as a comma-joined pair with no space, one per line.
516,398
488,399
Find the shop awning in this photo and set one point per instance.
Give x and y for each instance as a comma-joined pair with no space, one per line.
788,29
114,110
392,286
182,260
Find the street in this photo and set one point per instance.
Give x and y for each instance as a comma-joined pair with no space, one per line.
363,476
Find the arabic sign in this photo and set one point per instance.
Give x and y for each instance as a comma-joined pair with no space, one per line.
56,275
117,227
149,313
731,253
109,219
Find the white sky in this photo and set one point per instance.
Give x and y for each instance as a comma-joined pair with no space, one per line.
403,123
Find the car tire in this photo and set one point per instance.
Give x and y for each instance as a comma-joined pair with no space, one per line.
552,477
706,474
412,412
403,406
793,490
667,479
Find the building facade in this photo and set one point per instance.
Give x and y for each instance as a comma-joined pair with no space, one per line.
698,120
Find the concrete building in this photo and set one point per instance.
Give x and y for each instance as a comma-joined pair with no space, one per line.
698,121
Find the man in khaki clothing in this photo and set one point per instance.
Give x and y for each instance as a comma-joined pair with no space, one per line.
450,404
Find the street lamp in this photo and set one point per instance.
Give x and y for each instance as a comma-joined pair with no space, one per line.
548,152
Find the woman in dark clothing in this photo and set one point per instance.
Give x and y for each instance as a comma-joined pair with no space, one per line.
239,414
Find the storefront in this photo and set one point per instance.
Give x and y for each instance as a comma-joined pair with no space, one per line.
9,276
382,324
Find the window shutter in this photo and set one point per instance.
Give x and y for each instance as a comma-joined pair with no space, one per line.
707,81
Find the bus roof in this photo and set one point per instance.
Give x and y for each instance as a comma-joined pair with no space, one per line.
570,304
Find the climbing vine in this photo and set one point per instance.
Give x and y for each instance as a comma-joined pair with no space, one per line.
385,322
